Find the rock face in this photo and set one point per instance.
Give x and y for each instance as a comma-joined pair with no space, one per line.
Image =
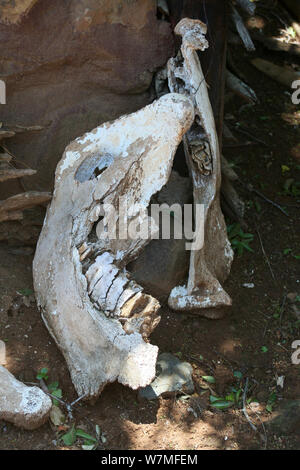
70,66
172,376
165,263
27,407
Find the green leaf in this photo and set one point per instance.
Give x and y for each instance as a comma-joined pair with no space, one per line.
213,399
70,437
42,374
230,397
238,395
56,393
84,435
53,386
178,354
269,408
26,292
222,404
264,349
284,169
209,379
237,374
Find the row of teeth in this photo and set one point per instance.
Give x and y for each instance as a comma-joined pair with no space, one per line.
113,293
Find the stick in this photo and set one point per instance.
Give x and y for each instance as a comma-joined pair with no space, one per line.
241,130
247,6
282,308
13,173
264,254
251,189
240,88
282,75
275,44
242,30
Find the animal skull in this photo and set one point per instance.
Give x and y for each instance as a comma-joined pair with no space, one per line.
100,318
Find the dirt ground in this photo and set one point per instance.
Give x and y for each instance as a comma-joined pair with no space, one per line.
254,339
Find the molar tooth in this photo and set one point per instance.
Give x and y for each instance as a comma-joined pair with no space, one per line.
116,290
96,270
102,287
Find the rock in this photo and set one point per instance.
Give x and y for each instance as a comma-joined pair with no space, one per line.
94,62
172,376
288,418
164,263
26,407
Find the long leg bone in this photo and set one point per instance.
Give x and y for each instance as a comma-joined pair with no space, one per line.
209,265
27,407
99,318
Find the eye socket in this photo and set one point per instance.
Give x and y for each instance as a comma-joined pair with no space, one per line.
93,166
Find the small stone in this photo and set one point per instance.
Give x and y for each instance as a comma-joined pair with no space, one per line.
280,381
248,285
172,376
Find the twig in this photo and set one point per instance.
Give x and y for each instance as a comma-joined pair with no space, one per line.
264,253
240,88
242,30
244,406
264,429
243,131
253,190
247,6
282,308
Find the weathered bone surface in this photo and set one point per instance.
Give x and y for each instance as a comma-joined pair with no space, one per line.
27,407
210,264
99,318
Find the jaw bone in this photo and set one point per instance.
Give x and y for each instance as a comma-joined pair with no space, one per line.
210,264
99,318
